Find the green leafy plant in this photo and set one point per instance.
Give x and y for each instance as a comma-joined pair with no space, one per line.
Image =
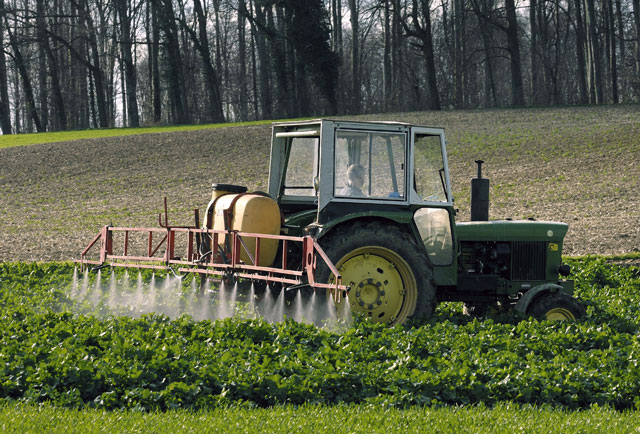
51,353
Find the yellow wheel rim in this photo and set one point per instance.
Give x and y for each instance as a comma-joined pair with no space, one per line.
560,314
383,286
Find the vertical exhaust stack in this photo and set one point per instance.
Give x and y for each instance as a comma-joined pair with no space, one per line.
479,196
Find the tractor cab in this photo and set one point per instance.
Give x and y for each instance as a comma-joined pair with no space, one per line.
325,173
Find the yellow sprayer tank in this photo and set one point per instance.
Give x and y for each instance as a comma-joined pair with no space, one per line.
253,213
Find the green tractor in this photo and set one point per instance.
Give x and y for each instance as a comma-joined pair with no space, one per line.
377,197
364,209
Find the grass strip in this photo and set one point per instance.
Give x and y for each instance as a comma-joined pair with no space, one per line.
503,418
12,140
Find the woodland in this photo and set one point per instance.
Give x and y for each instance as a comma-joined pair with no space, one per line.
78,64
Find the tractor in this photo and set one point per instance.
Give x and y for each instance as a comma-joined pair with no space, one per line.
362,212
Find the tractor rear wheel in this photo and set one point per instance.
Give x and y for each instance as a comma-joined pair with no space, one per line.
389,275
556,306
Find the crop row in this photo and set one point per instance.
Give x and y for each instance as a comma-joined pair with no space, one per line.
50,352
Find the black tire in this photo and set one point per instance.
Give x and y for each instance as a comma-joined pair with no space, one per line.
390,276
556,306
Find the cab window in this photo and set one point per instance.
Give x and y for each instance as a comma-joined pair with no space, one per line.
302,167
370,165
429,168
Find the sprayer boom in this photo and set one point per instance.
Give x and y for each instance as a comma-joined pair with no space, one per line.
160,248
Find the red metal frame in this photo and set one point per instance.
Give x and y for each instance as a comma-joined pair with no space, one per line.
214,263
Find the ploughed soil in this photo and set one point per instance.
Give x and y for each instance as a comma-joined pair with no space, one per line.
576,165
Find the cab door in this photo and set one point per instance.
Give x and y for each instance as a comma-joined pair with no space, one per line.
430,197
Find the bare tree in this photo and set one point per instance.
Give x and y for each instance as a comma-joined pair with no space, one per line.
124,13
176,85
594,71
354,9
213,111
636,17
5,116
22,67
419,27
243,104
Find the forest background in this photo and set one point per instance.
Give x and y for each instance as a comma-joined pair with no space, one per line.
77,64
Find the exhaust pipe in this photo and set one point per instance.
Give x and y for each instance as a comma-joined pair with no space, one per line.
479,196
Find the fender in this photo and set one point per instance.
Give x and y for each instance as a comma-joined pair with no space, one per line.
398,218
525,301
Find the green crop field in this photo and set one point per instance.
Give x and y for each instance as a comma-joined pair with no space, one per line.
56,350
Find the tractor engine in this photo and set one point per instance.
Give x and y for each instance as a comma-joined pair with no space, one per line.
515,260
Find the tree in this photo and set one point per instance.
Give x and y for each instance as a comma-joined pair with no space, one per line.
354,9
27,88
122,7
5,117
517,89
594,71
636,17
580,50
310,36
420,28
510,29
243,104
256,15
51,64
213,112
173,58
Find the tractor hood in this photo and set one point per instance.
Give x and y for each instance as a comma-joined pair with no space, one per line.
511,230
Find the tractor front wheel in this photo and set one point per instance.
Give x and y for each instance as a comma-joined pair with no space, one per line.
389,276
556,306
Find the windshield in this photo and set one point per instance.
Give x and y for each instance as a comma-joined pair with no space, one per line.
429,168
370,165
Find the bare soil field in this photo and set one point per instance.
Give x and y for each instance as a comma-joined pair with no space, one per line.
577,165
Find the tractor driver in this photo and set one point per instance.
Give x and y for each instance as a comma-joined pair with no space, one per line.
355,181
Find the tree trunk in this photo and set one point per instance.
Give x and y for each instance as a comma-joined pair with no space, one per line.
336,9
254,76
156,90
535,50
623,81
60,112
5,114
594,53
386,59
177,93
127,59
266,99
458,53
43,72
26,80
243,106
613,61
636,16
429,58
580,50
490,95
214,106
281,61
397,90
336,41
517,90
355,57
